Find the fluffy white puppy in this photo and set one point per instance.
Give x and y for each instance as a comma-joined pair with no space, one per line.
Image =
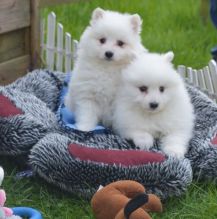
107,46
152,102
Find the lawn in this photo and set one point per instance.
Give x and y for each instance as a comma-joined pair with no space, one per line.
167,25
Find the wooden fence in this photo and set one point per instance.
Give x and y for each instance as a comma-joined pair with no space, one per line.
15,43
20,36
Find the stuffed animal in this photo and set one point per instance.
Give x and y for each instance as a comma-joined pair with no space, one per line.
5,213
124,199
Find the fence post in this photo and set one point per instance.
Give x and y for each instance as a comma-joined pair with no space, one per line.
59,64
51,40
68,52
213,74
35,34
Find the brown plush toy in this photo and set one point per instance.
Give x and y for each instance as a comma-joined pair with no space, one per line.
124,199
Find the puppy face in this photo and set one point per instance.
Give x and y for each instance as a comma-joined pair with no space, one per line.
112,37
151,82
153,98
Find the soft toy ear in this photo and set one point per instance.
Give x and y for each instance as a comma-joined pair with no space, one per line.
96,15
1,175
136,23
169,56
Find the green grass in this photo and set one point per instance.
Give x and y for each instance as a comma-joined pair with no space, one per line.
167,25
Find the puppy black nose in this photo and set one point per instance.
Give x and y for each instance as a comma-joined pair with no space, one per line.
153,105
109,54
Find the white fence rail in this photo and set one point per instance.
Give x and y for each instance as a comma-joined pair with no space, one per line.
205,79
58,47
59,53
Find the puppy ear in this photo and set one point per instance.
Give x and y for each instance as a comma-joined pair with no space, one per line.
97,14
169,56
1,175
136,23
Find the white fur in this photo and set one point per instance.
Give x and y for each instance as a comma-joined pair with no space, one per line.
1,175
172,121
95,79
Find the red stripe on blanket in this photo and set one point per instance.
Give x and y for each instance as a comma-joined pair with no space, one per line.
7,108
118,157
214,140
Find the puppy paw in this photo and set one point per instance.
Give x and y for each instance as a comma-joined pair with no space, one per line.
175,151
144,141
85,127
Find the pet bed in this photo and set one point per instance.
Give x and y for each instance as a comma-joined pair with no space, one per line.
79,162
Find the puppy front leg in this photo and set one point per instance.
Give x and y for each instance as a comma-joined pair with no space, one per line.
175,145
87,116
143,140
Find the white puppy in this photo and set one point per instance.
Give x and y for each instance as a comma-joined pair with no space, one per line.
107,46
152,102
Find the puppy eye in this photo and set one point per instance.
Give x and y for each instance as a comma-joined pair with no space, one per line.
143,89
120,43
161,89
102,40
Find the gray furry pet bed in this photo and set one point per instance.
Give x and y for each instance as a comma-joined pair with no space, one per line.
79,162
